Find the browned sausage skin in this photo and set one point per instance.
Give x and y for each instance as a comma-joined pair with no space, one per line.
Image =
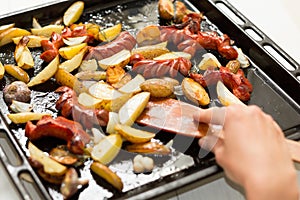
124,41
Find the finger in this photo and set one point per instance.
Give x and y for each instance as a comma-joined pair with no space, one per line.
213,115
211,143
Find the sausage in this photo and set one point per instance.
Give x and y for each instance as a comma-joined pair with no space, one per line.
160,68
124,41
238,83
51,47
68,105
61,128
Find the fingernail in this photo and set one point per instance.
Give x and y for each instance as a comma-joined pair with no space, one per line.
203,142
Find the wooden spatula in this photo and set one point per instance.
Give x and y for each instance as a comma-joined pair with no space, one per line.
176,117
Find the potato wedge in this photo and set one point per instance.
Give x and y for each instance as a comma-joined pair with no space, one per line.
209,61
50,166
225,96
17,72
88,65
89,101
242,58
2,71
22,54
133,86
113,120
70,51
35,23
6,27
63,77
7,36
107,148
134,135
173,81
91,75
158,87
104,91
151,51
74,62
47,30
120,59
132,109
25,61
34,40
112,100
173,55
73,13
195,92
110,33
46,73
108,175
125,79
21,118
152,147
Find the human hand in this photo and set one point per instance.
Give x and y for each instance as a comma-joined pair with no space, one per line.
251,149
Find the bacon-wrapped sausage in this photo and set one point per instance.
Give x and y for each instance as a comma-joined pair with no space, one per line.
124,41
238,83
160,68
68,105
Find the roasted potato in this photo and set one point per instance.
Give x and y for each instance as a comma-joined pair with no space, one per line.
151,147
110,33
134,135
63,77
132,109
73,13
2,71
225,96
50,166
158,87
107,148
195,92
34,40
151,51
133,86
74,62
47,30
174,55
22,54
46,73
21,118
6,27
108,175
120,59
17,72
7,36
71,51
91,75
112,100
89,101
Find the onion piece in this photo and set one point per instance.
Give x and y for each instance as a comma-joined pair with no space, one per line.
18,106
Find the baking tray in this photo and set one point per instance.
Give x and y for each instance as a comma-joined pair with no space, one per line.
274,91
